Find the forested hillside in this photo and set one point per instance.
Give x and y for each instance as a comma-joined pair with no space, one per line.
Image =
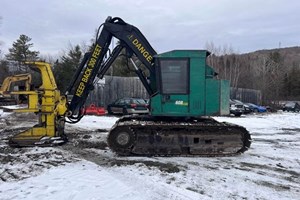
275,72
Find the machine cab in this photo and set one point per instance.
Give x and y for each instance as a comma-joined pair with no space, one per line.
187,86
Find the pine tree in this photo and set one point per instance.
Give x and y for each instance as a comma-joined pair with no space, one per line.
65,69
20,52
122,66
4,72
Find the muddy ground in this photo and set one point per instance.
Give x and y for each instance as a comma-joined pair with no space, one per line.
82,144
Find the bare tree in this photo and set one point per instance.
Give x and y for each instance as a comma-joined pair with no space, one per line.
235,70
226,62
269,76
212,59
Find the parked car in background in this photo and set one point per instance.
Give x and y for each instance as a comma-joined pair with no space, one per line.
236,108
247,109
256,108
272,108
291,106
128,106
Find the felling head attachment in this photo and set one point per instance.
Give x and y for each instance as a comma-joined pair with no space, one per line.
50,108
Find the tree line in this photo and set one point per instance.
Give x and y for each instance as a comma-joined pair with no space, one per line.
275,72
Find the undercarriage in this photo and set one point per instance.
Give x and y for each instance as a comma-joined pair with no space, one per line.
150,136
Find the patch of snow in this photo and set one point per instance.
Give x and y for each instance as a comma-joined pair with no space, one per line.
4,114
12,107
268,123
90,122
26,162
80,180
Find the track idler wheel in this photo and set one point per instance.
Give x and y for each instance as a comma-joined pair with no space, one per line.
121,140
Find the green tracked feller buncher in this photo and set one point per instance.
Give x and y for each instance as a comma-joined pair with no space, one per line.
183,91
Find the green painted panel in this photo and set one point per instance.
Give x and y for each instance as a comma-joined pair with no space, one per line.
217,97
156,105
170,105
184,53
212,97
197,86
175,105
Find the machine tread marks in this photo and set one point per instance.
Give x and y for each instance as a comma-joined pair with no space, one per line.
150,136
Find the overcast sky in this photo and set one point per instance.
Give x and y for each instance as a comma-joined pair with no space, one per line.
246,25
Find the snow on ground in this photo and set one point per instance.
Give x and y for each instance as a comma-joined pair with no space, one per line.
12,107
269,170
80,180
90,122
26,162
267,123
3,115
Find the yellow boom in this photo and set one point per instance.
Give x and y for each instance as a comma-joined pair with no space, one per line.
5,87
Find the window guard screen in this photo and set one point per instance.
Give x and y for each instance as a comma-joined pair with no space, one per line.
174,76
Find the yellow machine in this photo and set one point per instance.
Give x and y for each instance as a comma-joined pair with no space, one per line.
50,108
6,98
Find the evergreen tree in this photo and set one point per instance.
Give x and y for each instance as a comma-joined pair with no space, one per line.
4,72
122,66
65,69
20,52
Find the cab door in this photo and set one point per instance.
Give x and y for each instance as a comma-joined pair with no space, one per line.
174,86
